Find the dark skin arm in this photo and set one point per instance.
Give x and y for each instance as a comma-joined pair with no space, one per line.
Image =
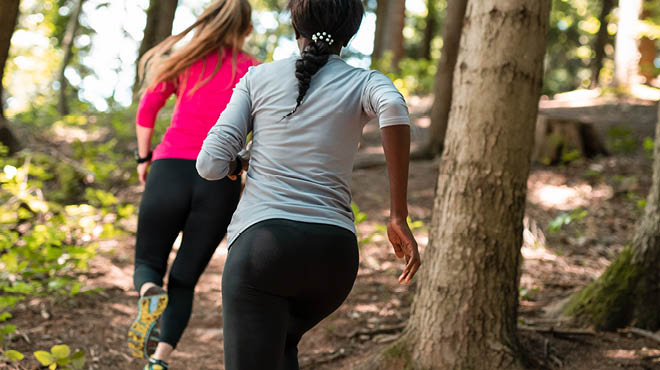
396,144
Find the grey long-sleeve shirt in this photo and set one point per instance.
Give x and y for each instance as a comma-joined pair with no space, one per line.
300,166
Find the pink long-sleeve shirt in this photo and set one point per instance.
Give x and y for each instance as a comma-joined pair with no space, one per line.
194,114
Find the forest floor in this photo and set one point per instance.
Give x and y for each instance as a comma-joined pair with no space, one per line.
598,202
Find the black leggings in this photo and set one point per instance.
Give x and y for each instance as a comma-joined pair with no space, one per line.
177,199
281,278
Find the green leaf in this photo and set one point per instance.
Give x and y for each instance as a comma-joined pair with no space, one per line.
44,358
648,144
63,361
75,289
14,355
78,360
641,204
7,329
60,351
5,316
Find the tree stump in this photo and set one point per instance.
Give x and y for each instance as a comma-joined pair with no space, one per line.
560,140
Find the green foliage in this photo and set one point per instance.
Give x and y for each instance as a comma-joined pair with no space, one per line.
528,294
13,355
648,145
45,245
573,28
570,156
621,140
566,218
361,217
414,76
60,357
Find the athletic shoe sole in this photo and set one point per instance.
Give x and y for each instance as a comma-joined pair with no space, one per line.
149,310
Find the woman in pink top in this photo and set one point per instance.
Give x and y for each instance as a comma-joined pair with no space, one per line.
176,199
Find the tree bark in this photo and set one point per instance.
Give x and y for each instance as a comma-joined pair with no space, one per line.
429,31
465,308
160,17
388,41
626,54
67,45
8,20
648,49
601,40
444,77
628,292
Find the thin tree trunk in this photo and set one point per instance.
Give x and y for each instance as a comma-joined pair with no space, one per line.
601,40
465,309
67,45
628,292
648,49
626,54
451,36
429,31
160,17
388,41
381,19
8,20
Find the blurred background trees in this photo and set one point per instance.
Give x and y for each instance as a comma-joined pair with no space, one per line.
58,42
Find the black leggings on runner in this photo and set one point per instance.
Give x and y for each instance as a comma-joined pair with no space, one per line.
281,278
177,199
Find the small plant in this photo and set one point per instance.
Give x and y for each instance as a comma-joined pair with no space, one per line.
566,218
60,357
570,156
648,146
13,356
621,140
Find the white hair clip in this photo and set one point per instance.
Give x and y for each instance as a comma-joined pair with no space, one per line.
322,36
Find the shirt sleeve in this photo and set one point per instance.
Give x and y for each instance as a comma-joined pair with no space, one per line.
152,101
227,137
381,99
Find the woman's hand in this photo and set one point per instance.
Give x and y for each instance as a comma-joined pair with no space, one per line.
232,167
405,246
143,171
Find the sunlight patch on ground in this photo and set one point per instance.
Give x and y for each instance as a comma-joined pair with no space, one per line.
564,197
621,353
539,253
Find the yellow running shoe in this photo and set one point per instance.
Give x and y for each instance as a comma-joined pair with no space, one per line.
143,329
155,364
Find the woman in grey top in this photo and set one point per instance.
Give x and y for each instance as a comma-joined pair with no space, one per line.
294,257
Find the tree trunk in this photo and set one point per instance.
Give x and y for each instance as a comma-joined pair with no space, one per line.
160,17
381,20
465,308
388,41
626,54
67,45
601,40
628,292
451,36
8,20
429,31
648,49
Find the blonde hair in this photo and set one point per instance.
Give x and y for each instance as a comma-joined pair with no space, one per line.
224,24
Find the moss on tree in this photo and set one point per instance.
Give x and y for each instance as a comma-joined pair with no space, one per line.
608,302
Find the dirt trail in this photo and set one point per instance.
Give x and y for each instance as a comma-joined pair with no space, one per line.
555,265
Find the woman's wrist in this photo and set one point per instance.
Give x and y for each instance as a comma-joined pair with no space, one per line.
399,216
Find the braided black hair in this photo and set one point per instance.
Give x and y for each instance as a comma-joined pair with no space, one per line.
339,20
